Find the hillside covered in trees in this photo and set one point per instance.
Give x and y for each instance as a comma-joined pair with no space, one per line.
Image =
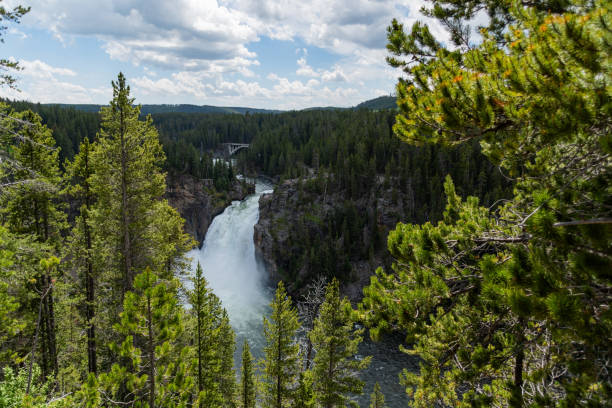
491,184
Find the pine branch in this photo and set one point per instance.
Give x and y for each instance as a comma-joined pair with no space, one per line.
583,222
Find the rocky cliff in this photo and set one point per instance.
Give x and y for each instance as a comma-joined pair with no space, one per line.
306,229
198,202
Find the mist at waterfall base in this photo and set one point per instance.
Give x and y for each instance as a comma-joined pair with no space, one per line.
241,282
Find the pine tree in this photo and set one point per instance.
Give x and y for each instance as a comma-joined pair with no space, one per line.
127,182
377,399
308,310
79,247
30,206
281,364
226,344
154,367
214,342
336,341
510,288
10,324
135,227
304,395
247,379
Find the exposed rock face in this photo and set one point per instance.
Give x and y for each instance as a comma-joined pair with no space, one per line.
198,202
303,232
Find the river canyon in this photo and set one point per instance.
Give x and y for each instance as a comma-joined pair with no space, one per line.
243,284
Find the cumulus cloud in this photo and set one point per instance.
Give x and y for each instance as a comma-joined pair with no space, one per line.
336,74
190,34
282,93
184,34
49,84
204,48
337,25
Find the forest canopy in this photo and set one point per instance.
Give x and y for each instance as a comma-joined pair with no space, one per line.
508,305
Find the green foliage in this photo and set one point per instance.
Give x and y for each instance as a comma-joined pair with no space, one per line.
126,179
154,368
504,304
281,364
134,227
214,342
335,341
80,261
305,395
12,16
247,379
70,127
13,390
32,174
30,208
10,324
377,398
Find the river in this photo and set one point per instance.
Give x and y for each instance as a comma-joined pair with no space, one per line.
241,282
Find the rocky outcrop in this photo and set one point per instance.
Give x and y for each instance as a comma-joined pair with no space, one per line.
305,230
198,202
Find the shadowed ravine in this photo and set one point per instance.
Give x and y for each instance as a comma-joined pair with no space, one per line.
228,259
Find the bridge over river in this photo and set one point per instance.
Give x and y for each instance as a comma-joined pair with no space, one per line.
232,148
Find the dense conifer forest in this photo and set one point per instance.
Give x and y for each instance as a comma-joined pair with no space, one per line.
498,161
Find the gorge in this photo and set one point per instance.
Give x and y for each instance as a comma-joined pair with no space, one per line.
245,288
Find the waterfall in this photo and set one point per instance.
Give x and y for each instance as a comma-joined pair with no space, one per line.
232,271
234,274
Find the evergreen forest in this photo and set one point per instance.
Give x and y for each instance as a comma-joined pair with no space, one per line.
494,171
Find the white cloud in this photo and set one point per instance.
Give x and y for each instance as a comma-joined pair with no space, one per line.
339,26
48,84
182,34
190,34
18,33
201,51
283,93
336,74
41,70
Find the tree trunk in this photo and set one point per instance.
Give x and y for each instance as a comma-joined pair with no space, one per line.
518,365
51,325
90,312
308,353
151,355
279,374
199,312
127,253
330,371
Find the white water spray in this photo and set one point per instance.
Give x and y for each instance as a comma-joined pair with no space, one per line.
232,271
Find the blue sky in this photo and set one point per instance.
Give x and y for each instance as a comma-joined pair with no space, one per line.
288,54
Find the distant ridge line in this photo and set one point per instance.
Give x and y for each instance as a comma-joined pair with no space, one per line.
380,103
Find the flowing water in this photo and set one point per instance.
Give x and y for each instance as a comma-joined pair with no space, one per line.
241,282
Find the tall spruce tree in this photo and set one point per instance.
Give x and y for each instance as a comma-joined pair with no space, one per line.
248,393
30,206
79,248
498,299
335,340
281,364
154,367
226,344
135,227
127,182
214,344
